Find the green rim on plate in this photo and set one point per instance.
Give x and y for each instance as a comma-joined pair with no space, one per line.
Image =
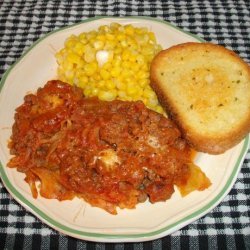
54,224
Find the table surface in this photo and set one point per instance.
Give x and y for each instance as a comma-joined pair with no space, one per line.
224,22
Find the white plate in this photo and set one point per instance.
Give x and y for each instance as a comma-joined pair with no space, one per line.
76,218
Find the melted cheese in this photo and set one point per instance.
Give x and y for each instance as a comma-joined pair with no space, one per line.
109,158
153,142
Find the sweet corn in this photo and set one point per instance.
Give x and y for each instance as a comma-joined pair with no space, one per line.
122,74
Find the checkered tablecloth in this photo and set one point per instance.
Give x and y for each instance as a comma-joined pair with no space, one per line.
225,22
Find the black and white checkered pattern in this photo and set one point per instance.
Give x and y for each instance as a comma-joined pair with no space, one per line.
223,22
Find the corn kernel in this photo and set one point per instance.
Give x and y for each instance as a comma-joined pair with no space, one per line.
159,109
89,55
98,45
107,66
79,48
115,72
152,36
125,55
120,37
106,96
121,85
148,93
82,36
68,65
132,58
97,77
84,79
90,69
70,42
129,29
126,64
104,28
131,91
124,43
136,68
114,26
117,63
110,37
110,56
81,84
118,51
87,91
104,74
121,94
110,85
145,67
153,101
143,83
73,58
95,91
101,84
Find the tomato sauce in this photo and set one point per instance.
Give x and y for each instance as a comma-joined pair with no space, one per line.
112,154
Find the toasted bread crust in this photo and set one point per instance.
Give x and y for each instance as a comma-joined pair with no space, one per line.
203,140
